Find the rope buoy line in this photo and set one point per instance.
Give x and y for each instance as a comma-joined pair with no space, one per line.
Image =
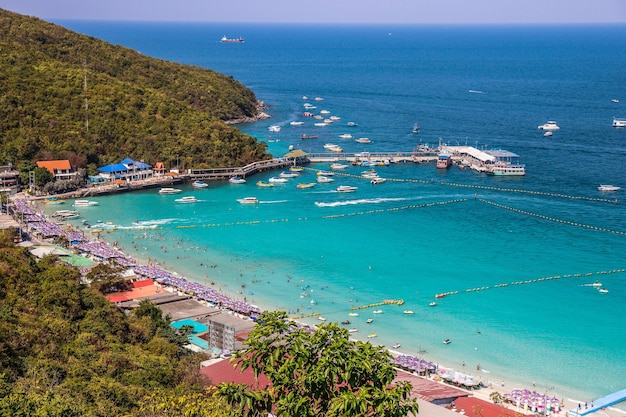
530,281
332,216
481,187
552,219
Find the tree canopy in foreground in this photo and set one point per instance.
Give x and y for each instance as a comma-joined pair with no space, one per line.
319,373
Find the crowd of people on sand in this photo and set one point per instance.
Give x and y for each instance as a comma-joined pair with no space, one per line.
533,401
101,251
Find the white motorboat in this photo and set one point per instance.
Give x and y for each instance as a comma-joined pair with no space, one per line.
338,166
378,180
199,184
333,148
548,133
370,320
322,178
321,318
607,187
85,203
324,112
432,304
353,314
346,189
274,128
236,180
248,200
325,173
352,124
296,123
363,140
619,122
278,180
396,346
345,136
289,174
377,312
187,199
353,330
169,190
550,125
409,312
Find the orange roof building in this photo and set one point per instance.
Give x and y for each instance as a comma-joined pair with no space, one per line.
61,169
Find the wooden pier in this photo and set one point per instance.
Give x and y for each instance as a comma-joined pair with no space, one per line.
242,172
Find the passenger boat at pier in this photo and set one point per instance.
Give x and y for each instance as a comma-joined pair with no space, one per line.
199,184
444,161
502,169
236,180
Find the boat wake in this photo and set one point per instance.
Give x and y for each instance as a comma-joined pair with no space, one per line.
273,201
359,201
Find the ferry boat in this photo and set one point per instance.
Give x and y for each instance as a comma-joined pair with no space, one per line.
503,169
346,189
187,200
232,40
619,122
444,161
551,125
248,200
170,190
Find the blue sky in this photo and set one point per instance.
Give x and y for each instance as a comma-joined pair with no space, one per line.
329,11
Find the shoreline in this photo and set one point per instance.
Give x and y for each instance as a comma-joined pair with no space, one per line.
482,393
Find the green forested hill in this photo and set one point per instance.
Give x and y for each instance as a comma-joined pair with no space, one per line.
141,107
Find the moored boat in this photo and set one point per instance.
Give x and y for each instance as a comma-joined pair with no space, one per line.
337,165
305,185
396,346
199,184
444,161
289,174
378,180
323,178
170,190
370,320
447,341
345,136
277,180
84,203
264,184
363,140
408,312
274,128
504,169
308,137
236,180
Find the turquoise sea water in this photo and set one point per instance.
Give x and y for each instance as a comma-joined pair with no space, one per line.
488,87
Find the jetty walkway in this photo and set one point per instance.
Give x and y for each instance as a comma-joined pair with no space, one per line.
597,405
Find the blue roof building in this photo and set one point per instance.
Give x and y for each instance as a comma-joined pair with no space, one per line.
127,170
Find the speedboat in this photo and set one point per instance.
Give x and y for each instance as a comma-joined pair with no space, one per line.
551,125
378,180
416,128
187,199
236,180
84,203
321,318
324,112
372,335
296,169
169,190
447,341
333,148
603,290
345,136
607,187
274,128
432,304
409,312
353,314
338,166
353,330
352,124
323,178
325,173
296,123
368,321
548,133
396,346
199,184
264,184
277,180
363,140
377,312
248,200
288,174
346,189
306,185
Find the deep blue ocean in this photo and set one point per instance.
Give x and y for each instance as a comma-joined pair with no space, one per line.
484,86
